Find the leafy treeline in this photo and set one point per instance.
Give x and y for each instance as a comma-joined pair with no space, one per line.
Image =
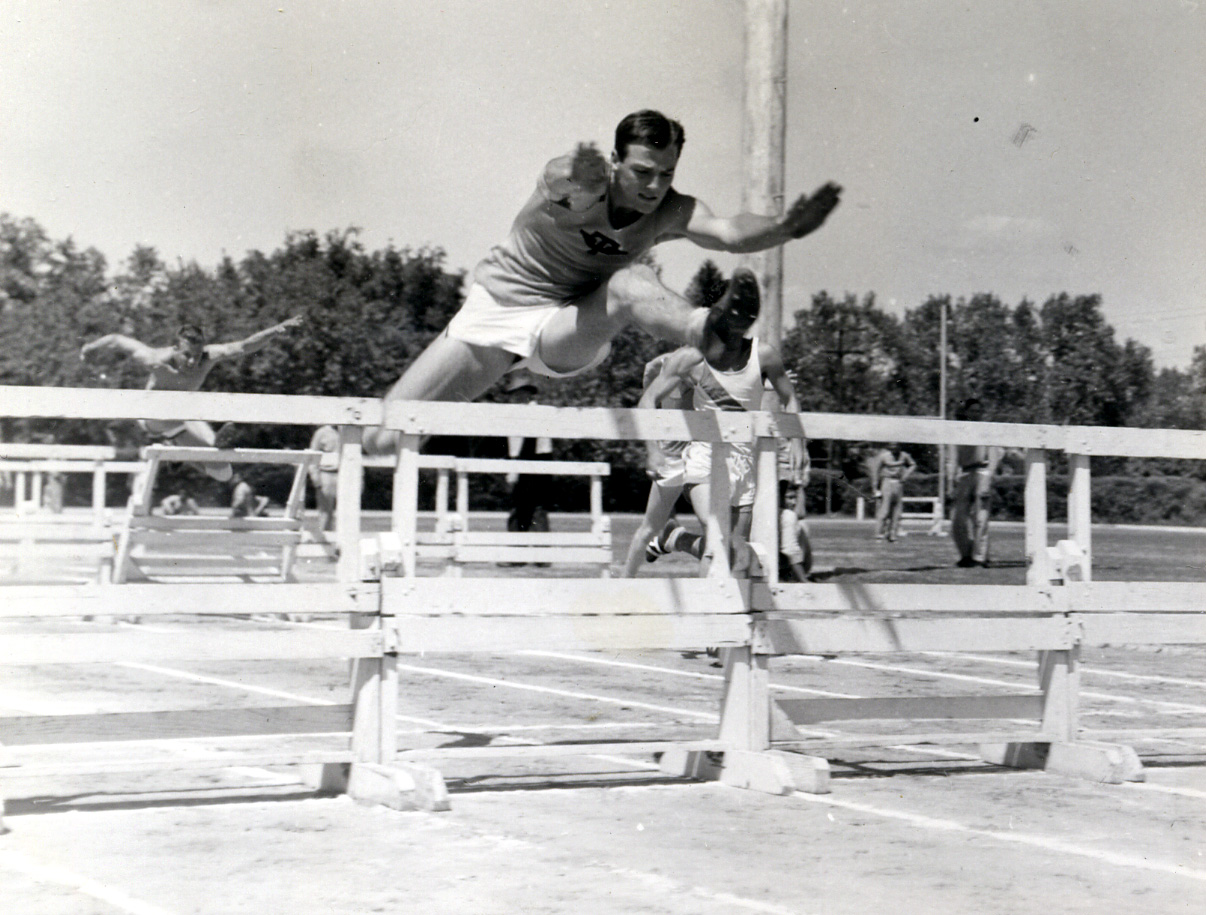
369,313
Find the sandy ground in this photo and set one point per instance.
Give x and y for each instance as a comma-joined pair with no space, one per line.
909,830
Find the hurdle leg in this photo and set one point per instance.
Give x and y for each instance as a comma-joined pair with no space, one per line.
377,776
1058,671
747,760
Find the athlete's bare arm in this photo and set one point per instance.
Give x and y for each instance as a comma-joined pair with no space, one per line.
748,232
149,356
671,378
257,341
774,371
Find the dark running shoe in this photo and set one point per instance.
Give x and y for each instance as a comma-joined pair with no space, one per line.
659,545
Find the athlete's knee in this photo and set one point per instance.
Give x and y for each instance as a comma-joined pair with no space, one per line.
628,285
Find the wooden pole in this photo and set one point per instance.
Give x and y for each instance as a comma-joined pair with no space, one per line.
763,131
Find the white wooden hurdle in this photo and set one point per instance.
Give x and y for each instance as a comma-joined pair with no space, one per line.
176,547
754,621
454,541
30,464
33,538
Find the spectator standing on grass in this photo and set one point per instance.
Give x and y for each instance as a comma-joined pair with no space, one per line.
795,547
890,467
324,475
973,469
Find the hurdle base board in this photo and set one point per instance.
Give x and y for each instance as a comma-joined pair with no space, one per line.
398,785
1106,763
769,771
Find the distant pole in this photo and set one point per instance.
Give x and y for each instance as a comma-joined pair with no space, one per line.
942,408
763,130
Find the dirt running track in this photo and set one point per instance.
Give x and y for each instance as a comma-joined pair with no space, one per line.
905,830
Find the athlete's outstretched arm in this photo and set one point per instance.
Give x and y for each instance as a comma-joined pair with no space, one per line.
256,341
748,232
135,349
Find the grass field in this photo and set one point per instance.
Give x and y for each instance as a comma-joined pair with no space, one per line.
906,829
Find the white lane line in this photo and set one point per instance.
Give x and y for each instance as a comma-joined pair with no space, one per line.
1183,707
261,690
568,694
52,873
1089,671
661,886
665,887
1167,789
1042,842
631,665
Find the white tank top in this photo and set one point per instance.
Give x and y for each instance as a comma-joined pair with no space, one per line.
739,389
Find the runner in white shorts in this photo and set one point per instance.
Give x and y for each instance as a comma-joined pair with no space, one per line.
729,376
666,470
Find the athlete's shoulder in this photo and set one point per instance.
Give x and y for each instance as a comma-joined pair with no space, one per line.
675,212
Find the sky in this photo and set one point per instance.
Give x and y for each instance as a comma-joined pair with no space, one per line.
1019,147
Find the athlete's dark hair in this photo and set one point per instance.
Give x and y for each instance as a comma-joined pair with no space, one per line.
648,128
966,407
192,333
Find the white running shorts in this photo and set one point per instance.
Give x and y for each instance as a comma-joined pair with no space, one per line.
698,460
482,321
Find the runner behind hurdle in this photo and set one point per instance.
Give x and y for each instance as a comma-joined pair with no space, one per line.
184,366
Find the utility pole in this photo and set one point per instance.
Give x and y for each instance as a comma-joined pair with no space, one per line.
942,407
762,142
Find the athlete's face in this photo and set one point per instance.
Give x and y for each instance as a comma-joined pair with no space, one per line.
189,353
641,179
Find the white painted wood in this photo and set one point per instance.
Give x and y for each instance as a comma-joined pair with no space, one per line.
1138,597
803,712
536,420
572,597
185,599
877,597
532,751
348,485
418,634
590,422
214,406
1059,679
66,453
1038,564
745,703
231,455
406,501
1113,629
23,730
834,636
1080,526
1102,763
401,786
24,649
572,555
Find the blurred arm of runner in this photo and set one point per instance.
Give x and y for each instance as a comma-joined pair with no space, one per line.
579,180
668,381
774,371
